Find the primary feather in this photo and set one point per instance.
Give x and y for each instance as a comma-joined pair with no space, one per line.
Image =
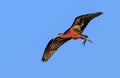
52,46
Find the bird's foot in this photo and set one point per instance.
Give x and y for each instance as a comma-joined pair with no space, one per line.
86,39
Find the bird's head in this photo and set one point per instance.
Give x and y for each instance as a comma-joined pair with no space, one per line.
60,34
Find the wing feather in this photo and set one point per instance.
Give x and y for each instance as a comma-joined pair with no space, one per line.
83,20
52,46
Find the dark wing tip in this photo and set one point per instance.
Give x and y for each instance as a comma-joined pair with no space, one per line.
47,55
43,60
99,13
51,47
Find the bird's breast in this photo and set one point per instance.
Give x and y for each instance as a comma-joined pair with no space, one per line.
72,34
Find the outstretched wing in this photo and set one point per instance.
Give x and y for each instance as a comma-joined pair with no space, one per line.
52,46
83,20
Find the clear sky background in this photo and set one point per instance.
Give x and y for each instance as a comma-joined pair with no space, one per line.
26,26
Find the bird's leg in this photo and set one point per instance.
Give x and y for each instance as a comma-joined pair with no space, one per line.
85,39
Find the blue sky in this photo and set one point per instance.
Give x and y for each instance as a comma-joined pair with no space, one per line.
26,26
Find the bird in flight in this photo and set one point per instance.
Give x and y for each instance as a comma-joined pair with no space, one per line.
74,32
